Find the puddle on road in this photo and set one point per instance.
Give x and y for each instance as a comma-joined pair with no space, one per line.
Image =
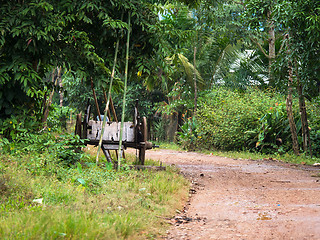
264,216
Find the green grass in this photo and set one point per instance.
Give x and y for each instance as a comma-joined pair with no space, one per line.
287,157
85,201
171,145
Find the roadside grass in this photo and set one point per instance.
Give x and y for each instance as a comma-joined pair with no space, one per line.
171,145
287,157
40,199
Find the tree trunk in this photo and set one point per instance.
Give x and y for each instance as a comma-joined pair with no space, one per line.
195,81
172,128
304,121
60,91
295,144
272,46
49,102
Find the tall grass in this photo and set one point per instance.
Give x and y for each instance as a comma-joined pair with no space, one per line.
85,201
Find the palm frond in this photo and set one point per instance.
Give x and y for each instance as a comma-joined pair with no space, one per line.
190,70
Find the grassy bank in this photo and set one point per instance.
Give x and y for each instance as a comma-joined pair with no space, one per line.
286,157
44,200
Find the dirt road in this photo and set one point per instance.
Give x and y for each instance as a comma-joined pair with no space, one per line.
244,199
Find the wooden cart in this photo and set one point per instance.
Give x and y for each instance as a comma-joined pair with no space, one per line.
135,134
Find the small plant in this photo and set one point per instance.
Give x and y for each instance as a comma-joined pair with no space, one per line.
274,132
67,147
189,135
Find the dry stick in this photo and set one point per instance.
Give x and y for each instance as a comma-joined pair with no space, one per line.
95,100
113,110
125,92
108,101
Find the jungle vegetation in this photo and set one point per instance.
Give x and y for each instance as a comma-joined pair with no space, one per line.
210,75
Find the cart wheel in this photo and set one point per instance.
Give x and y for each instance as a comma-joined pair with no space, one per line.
144,130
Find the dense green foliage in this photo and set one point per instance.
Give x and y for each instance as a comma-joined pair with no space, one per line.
302,21
214,72
314,118
227,117
258,42
37,36
252,120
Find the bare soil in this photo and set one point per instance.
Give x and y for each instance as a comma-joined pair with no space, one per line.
244,199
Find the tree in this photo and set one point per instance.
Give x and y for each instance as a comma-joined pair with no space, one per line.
39,35
262,27
301,19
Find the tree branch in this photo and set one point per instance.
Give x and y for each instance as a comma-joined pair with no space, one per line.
282,44
260,47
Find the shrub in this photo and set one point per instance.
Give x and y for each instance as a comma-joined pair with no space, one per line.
274,133
62,149
10,128
189,135
313,109
235,121
58,117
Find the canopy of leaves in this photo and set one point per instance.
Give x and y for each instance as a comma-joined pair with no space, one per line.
38,35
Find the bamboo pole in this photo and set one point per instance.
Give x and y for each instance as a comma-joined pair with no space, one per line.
125,92
108,99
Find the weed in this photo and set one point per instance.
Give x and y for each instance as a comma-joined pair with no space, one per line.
83,201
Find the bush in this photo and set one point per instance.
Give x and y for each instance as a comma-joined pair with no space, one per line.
63,149
274,133
58,117
188,136
313,109
236,121
10,128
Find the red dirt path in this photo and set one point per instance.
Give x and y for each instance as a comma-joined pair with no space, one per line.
244,199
